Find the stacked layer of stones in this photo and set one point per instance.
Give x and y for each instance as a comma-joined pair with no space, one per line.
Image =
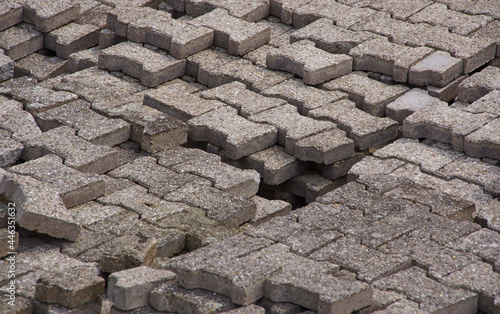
261,156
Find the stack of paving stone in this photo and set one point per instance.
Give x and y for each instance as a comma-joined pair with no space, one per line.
261,156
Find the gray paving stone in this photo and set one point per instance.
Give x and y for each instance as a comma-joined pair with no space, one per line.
479,84
83,59
176,102
41,67
308,185
20,40
280,307
409,103
401,307
314,285
259,55
10,14
238,96
96,15
369,264
39,207
248,310
120,17
237,36
437,69
180,38
364,129
369,95
444,124
484,142
72,38
49,15
381,56
236,135
342,15
400,10
489,103
150,67
304,97
129,289
448,92
179,154
134,3
94,84
275,165
11,149
158,179
489,31
76,152
173,298
6,67
439,14
324,148
89,125
206,63
268,209
71,290
20,123
330,37
291,126
482,243
371,166
284,9
251,11
314,65
341,168
488,214
431,295
479,278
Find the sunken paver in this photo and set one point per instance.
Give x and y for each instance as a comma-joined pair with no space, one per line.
329,37
363,128
485,142
251,11
411,102
83,59
20,40
308,185
180,38
381,56
74,187
41,67
150,67
437,69
236,35
479,84
76,152
49,15
314,65
304,97
238,136
89,125
11,14
72,38
369,95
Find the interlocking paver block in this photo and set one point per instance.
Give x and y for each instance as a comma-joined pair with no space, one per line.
308,185
315,286
41,67
314,65
431,295
96,15
129,289
158,179
444,124
238,96
150,67
479,84
490,103
76,152
275,165
399,10
206,62
39,207
380,55
437,69
363,128
251,11
20,123
20,40
369,95
6,67
291,126
403,306
133,3
485,142
83,59
170,297
439,14
73,186
49,15
236,135
236,35
491,31
177,102
284,9
120,17
411,102
72,38
11,14
324,148
304,97
343,15
11,149
89,125
180,38
329,37
267,209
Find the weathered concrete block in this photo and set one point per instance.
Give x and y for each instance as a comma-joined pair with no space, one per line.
20,40
96,14
10,14
72,38
206,62
314,65
490,31
250,11
6,68
309,185
150,67
83,59
447,93
11,149
267,209
284,9
237,36
20,123
120,17
41,67
129,289
49,15
437,69
399,10
479,84
324,148
485,142
409,103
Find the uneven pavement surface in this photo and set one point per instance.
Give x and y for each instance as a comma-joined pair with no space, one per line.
260,156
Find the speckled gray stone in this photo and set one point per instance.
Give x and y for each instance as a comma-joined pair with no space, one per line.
485,142
237,36
49,15
41,67
11,14
6,68
490,103
251,11
489,31
314,65
483,243
410,102
324,148
206,63
129,289
20,123
83,59
399,10
20,40
437,69
479,84
72,38
120,17
268,209
308,185
11,149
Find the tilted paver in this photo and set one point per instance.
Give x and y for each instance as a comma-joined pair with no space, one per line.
409,103
49,15
10,14
437,69
479,84
20,40
71,38
251,11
